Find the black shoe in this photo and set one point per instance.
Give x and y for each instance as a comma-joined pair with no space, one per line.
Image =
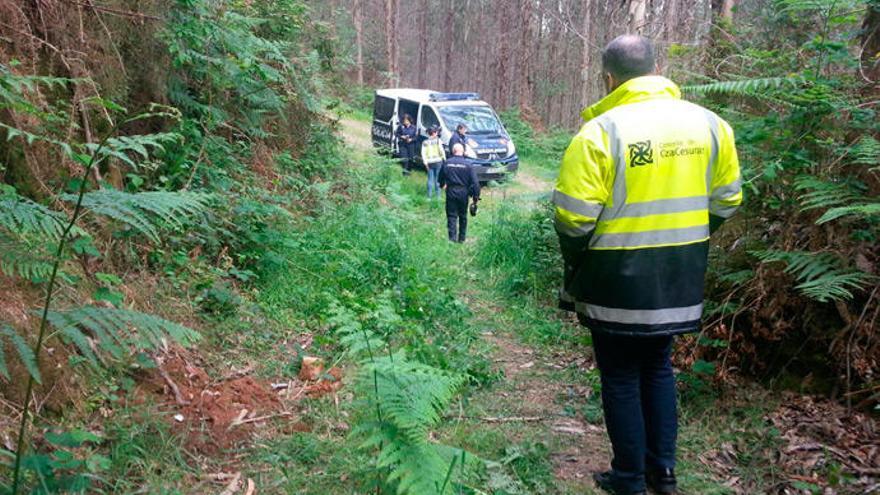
661,481
606,482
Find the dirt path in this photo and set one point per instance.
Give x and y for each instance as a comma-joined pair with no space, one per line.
356,133
533,402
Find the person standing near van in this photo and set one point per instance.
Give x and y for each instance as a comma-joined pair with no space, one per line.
406,143
433,157
459,137
459,178
644,183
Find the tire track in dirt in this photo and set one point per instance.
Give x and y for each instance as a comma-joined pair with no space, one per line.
530,393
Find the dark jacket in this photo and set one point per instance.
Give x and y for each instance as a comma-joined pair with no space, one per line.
406,132
459,176
457,138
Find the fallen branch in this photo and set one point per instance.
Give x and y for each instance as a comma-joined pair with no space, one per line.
261,418
173,386
504,419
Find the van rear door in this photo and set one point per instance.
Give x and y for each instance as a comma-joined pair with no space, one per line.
383,122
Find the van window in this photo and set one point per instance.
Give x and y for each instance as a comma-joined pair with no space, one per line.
429,118
478,119
383,108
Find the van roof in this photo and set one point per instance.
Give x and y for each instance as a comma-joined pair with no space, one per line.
423,96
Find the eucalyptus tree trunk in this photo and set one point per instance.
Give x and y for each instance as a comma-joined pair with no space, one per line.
638,12
423,13
357,12
391,41
526,41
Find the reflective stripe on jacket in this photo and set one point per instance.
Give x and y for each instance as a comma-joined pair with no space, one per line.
633,199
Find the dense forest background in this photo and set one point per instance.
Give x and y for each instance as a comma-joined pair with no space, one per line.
209,282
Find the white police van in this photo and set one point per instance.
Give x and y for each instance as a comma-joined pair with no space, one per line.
489,144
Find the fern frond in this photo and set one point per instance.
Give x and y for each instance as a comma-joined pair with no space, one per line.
748,87
24,259
24,217
410,395
144,212
821,276
359,343
866,151
25,353
117,331
863,210
822,194
131,149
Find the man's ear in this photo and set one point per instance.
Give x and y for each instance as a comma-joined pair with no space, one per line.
609,81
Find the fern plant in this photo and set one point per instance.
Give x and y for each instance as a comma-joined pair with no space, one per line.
821,276
411,397
866,152
758,87
404,401
143,211
818,193
116,331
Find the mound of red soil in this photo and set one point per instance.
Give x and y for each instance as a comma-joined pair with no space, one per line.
216,414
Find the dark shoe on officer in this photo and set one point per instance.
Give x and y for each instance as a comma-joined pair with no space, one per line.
607,482
661,481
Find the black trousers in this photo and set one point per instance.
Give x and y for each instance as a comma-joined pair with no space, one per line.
407,155
638,397
456,214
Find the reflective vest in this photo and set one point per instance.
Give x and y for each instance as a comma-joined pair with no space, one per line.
432,151
635,191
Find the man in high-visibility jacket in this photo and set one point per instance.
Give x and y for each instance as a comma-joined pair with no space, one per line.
642,185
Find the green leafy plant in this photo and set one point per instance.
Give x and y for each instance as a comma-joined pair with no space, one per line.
821,276
401,401
115,330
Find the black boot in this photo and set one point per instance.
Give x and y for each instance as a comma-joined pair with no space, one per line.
661,481
606,482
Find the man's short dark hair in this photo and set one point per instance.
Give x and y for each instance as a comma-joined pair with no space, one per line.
628,56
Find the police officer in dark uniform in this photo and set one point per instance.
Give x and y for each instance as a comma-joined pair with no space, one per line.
459,178
459,136
406,142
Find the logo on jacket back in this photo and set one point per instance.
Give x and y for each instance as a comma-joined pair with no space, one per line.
640,153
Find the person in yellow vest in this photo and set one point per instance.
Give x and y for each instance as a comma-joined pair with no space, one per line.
433,156
642,185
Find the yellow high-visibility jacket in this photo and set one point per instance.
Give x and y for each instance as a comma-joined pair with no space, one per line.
635,193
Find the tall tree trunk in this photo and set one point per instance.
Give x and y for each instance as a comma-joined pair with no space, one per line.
391,41
587,75
526,41
449,31
358,18
638,11
423,14
870,39
502,60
